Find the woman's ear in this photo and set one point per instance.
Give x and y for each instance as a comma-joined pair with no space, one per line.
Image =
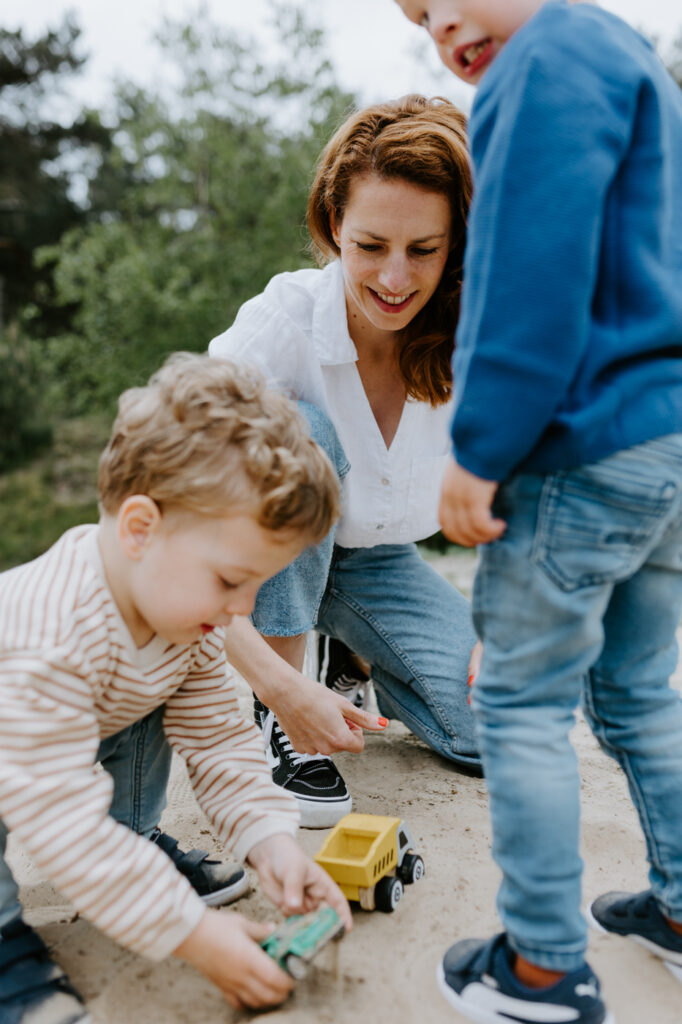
138,519
335,228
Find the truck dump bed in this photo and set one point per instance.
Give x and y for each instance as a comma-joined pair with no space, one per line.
360,850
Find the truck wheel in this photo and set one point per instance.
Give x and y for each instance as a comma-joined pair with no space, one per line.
388,894
412,868
295,966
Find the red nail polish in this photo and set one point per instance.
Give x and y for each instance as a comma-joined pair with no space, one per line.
470,681
383,722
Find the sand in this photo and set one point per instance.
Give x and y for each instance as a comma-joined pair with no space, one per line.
385,968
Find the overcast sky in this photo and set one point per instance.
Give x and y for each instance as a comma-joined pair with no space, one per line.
370,41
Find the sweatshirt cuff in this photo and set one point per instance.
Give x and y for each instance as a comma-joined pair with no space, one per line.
273,825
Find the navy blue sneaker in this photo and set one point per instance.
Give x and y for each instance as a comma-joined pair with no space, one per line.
637,916
477,979
33,988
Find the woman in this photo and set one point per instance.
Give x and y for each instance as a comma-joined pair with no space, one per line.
365,343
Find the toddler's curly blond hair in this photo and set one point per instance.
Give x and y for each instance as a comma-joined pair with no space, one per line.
206,435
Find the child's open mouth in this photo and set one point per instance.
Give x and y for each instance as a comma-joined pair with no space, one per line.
474,56
392,303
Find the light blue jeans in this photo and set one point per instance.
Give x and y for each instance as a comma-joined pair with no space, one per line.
138,759
580,597
394,610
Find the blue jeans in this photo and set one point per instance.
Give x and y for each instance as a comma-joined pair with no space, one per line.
138,759
580,597
394,610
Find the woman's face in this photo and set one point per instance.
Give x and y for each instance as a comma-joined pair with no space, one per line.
394,240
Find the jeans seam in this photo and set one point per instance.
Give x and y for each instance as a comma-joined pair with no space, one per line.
136,773
623,760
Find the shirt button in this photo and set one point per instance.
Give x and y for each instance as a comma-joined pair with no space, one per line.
380,526
385,481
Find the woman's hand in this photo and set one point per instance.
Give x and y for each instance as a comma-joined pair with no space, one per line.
224,947
319,721
294,882
474,664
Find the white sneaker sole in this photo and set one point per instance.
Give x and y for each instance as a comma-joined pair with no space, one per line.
323,814
487,1015
221,897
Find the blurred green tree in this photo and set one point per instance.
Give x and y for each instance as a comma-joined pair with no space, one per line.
37,150
199,202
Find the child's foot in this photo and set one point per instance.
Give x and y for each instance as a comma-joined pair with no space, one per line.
217,882
313,779
33,988
339,670
477,979
636,916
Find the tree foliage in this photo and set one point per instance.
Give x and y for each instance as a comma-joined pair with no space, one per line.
36,205
200,200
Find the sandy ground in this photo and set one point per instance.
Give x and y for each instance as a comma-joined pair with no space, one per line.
385,969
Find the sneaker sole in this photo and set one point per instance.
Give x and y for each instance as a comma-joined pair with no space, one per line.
228,894
668,956
315,814
674,969
483,1015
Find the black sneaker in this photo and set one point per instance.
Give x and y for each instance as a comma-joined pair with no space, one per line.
338,669
33,988
477,979
637,916
217,882
314,780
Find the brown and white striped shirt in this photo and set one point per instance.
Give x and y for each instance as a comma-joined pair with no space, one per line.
70,675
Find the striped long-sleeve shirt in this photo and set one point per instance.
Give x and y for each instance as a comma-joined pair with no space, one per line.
70,675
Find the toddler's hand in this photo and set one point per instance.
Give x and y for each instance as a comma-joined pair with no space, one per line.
294,882
224,948
464,510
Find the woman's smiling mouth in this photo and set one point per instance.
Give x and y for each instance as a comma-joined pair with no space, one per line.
392,303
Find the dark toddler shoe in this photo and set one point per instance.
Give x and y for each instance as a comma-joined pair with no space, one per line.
217,882
33,988
477,979
637,916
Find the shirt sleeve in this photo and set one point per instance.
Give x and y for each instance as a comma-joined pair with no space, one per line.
265,335
224,756
55,800
547,142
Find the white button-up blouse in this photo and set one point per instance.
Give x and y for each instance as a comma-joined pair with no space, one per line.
296,332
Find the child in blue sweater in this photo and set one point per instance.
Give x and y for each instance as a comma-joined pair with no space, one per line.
568,471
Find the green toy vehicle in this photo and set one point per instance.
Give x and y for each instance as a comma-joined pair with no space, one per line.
294,944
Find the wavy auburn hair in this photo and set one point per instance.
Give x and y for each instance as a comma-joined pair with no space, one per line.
421,141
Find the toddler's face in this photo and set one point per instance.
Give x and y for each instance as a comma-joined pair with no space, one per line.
196,572
469,33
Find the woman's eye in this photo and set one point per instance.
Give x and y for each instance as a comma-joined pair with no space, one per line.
419,251
368,246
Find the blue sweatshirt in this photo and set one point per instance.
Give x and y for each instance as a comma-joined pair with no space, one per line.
569,345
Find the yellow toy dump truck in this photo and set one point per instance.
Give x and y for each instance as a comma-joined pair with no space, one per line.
370,857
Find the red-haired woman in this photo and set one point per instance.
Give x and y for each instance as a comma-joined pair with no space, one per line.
365,344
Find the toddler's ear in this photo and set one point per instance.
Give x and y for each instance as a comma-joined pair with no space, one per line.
138,519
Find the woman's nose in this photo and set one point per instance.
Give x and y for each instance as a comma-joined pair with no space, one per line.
395,274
